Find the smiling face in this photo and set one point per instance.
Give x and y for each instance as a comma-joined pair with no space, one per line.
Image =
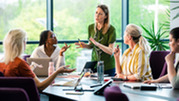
174,44
99,15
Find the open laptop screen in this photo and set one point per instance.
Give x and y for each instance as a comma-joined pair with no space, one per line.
79,79
89,64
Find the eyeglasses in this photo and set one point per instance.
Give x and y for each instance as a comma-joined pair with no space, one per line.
53,35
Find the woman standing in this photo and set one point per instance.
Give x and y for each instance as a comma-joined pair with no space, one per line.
102,38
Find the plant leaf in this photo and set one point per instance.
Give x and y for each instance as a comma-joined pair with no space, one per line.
176,16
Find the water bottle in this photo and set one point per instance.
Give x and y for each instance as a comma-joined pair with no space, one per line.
51,69
100,71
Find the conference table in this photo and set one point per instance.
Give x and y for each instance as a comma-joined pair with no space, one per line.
57,93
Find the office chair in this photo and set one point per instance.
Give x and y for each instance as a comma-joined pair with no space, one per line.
12,94
1,74
157,61
25,57
25,83
114,94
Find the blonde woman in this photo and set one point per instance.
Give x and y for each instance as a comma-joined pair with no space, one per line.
102,38
134,64
13,66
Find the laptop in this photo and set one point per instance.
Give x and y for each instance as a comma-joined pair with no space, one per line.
89,64
75,84
41,72
71,83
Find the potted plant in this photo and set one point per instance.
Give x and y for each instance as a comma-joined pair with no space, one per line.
157,41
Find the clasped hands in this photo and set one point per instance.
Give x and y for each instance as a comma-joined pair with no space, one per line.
120,76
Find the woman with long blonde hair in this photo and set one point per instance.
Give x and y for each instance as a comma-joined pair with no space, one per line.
134,64
13,66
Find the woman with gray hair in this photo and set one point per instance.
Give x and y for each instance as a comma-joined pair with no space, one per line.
134,64
13,66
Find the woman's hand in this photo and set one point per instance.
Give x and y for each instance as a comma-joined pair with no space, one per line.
65,69
120,76
116,52
81,45
170,58
94,41
151,81
63,49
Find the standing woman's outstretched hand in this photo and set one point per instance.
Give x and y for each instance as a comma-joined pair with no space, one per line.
94,41
81,45
63,49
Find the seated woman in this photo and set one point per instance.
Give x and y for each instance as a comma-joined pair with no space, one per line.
13,66
48,48
135,62
173,69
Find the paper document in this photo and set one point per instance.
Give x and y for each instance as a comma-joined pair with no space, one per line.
70,83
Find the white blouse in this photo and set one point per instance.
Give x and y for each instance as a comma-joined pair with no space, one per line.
58,60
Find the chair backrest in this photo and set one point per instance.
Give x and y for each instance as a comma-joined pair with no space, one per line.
1,74
114,94
26,83
164,70
157,61
12,94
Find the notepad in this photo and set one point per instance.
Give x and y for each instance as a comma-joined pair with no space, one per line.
140,85
70,83
164,85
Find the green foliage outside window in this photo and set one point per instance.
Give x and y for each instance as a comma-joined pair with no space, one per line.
71,19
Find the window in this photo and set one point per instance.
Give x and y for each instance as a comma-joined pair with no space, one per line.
29,15
71,21
143,11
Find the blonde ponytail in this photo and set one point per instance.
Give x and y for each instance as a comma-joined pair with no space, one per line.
136,33
144,45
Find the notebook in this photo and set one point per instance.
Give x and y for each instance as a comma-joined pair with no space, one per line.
73,83
140,85
41,72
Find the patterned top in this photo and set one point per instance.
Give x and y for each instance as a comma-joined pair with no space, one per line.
136,62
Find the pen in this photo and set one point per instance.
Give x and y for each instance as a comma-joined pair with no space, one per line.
80,43
95,85
114,52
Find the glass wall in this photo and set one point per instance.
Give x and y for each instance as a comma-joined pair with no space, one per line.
148,12
71,21
143,11
29,15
